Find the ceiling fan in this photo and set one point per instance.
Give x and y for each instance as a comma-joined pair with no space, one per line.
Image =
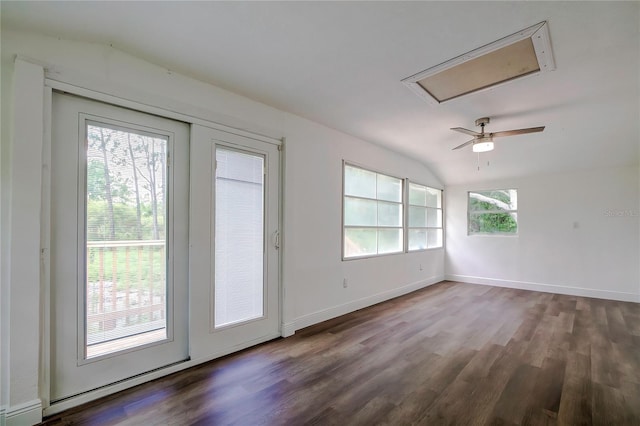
483,142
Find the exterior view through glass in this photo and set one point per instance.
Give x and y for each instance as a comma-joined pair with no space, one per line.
493,212
126,238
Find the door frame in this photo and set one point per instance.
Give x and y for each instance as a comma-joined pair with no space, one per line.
77,374
201,269
60,82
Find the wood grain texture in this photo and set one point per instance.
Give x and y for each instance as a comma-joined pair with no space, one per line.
450,354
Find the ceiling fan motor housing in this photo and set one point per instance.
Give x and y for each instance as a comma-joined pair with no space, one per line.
482,121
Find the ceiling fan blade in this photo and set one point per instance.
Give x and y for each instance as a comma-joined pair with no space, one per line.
517,132
466,131
465,144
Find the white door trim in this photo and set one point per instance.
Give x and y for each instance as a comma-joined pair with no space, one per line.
50,82
22,279
152,109
71,372
201,272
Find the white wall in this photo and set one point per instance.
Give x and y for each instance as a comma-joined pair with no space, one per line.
578,234
599,258
312,267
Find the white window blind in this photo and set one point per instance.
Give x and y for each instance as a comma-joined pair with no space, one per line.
239,236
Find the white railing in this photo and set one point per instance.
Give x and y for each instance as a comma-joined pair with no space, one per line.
126,288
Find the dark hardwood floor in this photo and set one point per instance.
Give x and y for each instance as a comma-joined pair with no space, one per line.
452,353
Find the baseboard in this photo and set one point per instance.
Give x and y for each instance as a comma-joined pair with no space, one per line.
547,288
28,413
290,328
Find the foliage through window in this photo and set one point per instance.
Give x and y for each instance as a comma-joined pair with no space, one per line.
493,212
126,234
372,213
425,217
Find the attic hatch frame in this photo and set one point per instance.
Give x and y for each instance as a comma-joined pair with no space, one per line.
539,36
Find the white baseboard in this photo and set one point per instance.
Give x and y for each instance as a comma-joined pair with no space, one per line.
547,288
290,328
25,414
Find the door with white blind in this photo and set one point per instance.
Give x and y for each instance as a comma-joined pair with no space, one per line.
234,222
119,244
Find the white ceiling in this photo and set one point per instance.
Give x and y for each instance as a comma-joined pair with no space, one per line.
341,64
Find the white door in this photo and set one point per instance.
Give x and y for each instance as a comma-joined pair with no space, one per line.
119,254
234,231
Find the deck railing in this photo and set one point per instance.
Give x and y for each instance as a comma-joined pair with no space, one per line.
126,288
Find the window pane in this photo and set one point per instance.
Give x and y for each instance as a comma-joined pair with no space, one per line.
434,238
359,182
434,218
417,216
126,238
434,198
417,239
239,237
493,223
389,188
359,212
389,240
389,214
417,194
497,200
360,242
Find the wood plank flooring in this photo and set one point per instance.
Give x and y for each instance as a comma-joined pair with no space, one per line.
453,353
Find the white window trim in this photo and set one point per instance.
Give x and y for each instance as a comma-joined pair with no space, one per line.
402,203
491,234
407,227
405,214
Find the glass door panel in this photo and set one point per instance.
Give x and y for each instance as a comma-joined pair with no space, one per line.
126,278
234,241
119,248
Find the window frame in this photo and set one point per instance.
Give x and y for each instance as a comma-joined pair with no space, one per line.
401,203
86,120
497,234
408,227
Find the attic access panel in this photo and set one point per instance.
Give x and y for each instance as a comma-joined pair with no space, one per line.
526,52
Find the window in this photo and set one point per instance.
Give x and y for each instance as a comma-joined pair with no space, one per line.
493,212
126,238
239,236
372,213
424,218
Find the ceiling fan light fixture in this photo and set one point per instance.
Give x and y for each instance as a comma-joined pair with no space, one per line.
483,146
483,142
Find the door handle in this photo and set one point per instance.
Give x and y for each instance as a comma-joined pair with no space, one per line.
275,238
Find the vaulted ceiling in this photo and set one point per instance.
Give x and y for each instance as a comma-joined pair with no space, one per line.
341,64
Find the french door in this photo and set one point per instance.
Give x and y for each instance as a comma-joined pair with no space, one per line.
234,238
119,244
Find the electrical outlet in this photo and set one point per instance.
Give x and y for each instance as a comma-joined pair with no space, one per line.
345,284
